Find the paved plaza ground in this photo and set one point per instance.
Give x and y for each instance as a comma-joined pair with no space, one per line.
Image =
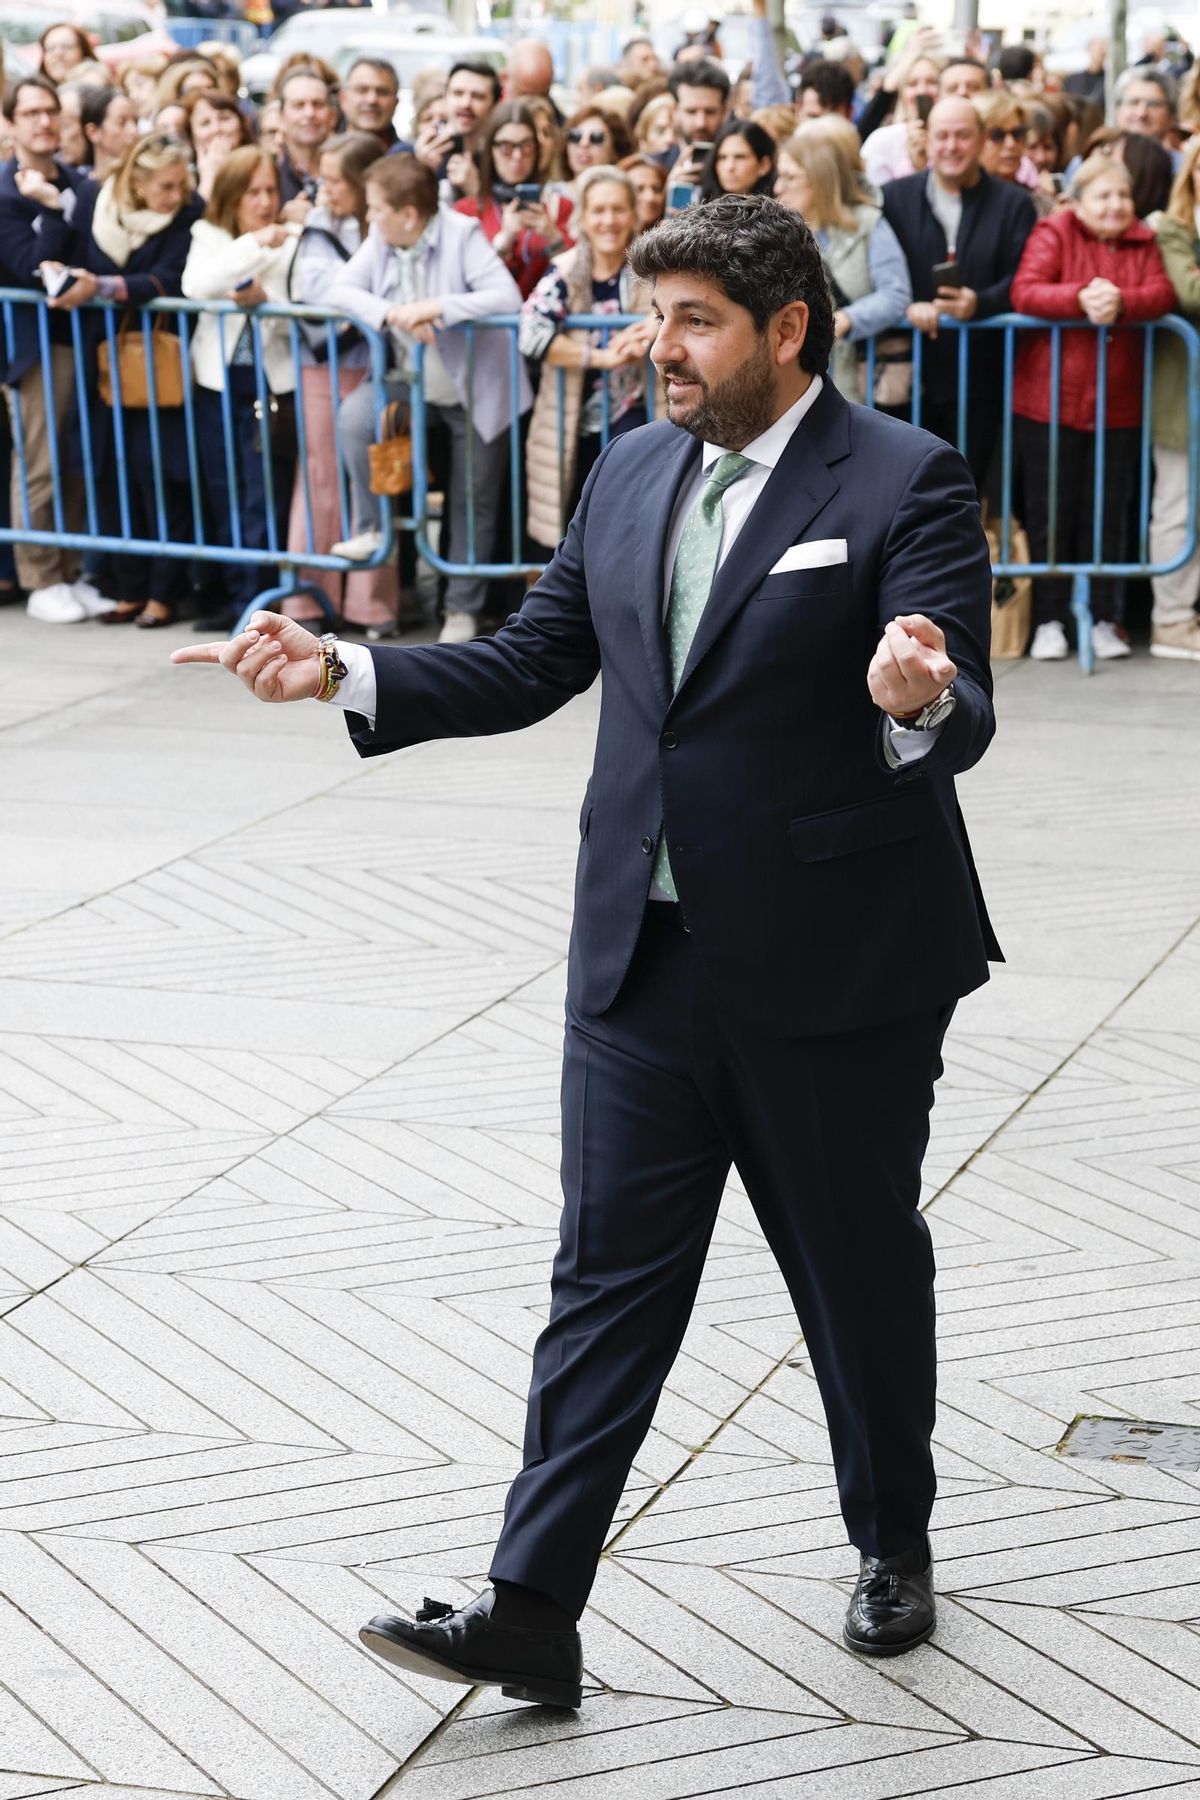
279,1039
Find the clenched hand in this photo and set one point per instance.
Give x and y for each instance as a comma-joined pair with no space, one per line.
910,667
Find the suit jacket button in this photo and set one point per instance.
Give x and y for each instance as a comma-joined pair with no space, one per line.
648,846
669,740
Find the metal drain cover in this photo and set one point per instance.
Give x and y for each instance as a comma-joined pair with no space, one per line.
1133,1441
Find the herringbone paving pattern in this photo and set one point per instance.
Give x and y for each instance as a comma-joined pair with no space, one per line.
279,1039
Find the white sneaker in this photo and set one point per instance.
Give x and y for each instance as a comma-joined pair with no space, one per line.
359,548
94,603
1049,643
1107,641
55,605
458,628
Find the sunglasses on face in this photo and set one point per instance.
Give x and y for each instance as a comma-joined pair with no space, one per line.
1015,134
514,146
595,137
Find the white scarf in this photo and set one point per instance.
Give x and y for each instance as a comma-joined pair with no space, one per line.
119,234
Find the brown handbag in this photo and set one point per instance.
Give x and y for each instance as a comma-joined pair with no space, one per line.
391,459
132,374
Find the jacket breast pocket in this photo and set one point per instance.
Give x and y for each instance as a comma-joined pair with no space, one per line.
829,582
849,829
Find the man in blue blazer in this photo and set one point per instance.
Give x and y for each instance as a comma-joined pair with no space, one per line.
776,908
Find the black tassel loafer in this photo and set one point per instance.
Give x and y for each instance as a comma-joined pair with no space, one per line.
892,1609
462,1644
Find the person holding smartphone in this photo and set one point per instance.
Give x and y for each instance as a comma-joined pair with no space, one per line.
962,232
524,226
448,146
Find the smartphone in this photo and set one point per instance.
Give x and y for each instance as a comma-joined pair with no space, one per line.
947,275
924,107
528,193
1059,183
57,284
249,282
699,150
680,195
457,144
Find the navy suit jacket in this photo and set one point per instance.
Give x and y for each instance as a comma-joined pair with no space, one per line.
22,248
825,892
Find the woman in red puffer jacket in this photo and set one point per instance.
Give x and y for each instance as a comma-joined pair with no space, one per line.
1094,260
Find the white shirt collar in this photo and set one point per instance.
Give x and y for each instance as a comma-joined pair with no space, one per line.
770,446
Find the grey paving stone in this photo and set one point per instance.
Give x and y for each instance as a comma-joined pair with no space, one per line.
272,1264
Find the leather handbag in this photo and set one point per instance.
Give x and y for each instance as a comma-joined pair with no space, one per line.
132,373
391,458
893,369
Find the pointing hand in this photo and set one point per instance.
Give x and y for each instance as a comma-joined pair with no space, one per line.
276,658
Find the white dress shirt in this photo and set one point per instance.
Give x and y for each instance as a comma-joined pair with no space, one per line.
357,692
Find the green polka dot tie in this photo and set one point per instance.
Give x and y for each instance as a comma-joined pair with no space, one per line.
691,583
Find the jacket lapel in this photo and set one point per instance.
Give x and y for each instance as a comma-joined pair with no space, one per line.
653,512
799,486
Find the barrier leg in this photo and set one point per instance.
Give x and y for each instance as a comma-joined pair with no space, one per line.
1081,606
270,598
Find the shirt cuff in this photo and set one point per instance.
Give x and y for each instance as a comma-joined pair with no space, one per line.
901,747
357,693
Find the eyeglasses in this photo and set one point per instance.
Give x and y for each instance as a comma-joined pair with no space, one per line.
514,145
1019,134
596,138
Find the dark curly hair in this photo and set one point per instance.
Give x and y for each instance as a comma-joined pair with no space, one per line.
757,252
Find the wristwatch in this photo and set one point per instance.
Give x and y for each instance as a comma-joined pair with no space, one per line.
333,670
938,710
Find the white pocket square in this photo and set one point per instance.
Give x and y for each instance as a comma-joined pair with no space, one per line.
821,553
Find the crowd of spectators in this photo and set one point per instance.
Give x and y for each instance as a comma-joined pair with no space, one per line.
942,189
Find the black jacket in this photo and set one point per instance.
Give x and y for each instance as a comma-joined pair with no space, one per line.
24,225
154,271
825,892
997,217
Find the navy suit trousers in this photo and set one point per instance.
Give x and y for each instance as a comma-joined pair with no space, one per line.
661,1095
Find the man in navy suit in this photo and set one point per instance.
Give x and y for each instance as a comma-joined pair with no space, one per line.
776,909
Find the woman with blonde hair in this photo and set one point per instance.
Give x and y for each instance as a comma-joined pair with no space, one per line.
1007,122
590,278
186,75
820,176
139,77
779,121
654,125
131,234
899,148
1174,628
240,252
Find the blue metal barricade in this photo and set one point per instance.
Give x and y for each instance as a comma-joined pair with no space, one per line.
103,510
189,34
1081,572
99,498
